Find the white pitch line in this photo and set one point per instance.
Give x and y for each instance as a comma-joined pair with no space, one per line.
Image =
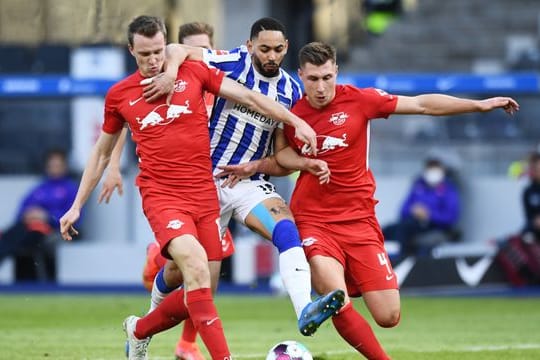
502,347
478,348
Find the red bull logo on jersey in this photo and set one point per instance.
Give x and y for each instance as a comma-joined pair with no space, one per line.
308,241
180,85
175,224
339,118
175,111
328,143
155,118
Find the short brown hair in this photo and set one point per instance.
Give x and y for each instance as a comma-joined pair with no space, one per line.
195,28
147,26
316,53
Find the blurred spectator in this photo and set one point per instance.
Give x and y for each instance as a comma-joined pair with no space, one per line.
430,213
531,201
30,240
519,255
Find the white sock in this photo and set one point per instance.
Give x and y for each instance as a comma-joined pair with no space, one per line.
296,276
156,297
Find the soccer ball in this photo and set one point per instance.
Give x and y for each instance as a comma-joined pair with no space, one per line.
289,350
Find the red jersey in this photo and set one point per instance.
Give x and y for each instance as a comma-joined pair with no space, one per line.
172,141
342,129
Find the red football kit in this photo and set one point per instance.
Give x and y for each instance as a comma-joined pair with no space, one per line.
338,219
172,143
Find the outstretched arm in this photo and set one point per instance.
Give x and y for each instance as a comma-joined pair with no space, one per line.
99,158
439,104
232,90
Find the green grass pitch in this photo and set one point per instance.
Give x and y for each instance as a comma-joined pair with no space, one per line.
90,327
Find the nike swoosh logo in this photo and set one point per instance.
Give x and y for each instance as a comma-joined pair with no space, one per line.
473,274
133,102
404,268
210,322
298,269
389,277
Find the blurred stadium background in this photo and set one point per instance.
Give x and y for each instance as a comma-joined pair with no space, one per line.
58,58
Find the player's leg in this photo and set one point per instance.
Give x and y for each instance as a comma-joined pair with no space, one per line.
154,262
165,279
191,258
272,219
186,347
328,275
265,212
384,306
171,310
168,279
372,273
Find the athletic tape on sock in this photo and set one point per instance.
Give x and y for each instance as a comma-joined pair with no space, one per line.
285,235
160,283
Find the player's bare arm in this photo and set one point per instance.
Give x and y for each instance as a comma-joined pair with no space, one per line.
439,104
98,161
231,90
290,159
113,180
163,83
267,165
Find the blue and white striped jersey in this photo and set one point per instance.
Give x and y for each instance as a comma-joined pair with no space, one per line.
239,134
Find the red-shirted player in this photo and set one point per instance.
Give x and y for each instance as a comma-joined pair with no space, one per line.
197,34
336,214
175,178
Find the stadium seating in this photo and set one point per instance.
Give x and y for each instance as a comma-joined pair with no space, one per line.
51,59
16,59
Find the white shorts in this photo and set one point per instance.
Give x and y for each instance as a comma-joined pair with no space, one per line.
242,198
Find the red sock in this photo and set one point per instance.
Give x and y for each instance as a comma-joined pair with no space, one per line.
189,334
168,314
356,331
204,315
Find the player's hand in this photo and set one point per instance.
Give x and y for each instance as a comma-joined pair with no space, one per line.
235,173
307,135
66,224
509,105
320,169
160,85
112,181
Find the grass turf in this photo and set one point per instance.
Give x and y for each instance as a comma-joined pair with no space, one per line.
89,327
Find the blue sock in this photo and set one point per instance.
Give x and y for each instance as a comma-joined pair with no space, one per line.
160,283
285,236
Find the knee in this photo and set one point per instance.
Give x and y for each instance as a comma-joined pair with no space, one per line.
389,318
285,235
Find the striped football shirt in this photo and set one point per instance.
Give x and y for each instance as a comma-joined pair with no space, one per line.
239,134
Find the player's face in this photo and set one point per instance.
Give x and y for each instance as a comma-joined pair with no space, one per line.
267,52
319,83
198,40
149,53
